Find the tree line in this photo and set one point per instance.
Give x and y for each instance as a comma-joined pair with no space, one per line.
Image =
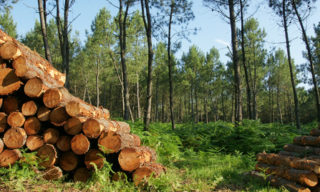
128,64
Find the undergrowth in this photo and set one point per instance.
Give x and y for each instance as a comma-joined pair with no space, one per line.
198,157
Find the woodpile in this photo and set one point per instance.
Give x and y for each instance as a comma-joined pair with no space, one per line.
67,134
297,167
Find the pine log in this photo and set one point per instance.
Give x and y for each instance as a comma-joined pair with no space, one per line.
10,104
63,143
81,174
315,132
58,116
144,172
29,108
4,37
34,142
94,156
73,126
293,162
47,155
79,108
43,114
8,157
32,126
9,82
34,88
306,150
92,128
133,157
304,177
57,97
1,101
68,161
293,154
9,51
3,122
53,173
14,138
1,145
307,140
16,119
113,142
51,136
80,144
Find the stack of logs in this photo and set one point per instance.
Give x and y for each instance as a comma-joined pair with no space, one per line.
68,135
297,167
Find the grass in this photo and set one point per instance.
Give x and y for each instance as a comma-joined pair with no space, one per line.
198,157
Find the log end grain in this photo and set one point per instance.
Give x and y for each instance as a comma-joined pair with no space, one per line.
34,142
94,156
52,97
9,82
10,104
53,173
34,88
15,138
92,128
63,143
16,119
9,157
80,144
3,122
9,50
109,142
146,171
29,108
47,155
32,126
73,126
58,116
20,66
68,161
43,113
51,136
81,174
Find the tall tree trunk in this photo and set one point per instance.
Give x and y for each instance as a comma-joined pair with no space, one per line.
162,108
157,99
191,98
235,60
309,54
245,64
223,107
197,108
170,66
42,13
97,83
296,103
205,110
138,98
148,29
279,107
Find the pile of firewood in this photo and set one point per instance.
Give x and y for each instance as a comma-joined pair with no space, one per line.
297,167
68,135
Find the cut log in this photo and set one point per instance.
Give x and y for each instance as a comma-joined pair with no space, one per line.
4,37
81,174
3,122
94,156
133,157
53,173
29,108
10,104
80,144
63,143
9,51
58,116
9,157
34,142
73,126
9,82
51,136
79,108
47,155
68,161
121,126
1,145
293,162
144,172
293,154
16,119
14,138
57,97
32,126
307,140
315,132
304,177
113,142
43,114
1,101
92,128
34,88
305,150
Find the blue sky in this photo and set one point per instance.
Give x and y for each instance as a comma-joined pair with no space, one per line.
214,31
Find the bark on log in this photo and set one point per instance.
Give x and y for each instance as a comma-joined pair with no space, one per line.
304,150
3,122
57,97
304,177
34,142
16,119
113,142
79,108
47,155
1,145
81,174
80,144
15,138
315,132
58,116
53,173
94,156
9,51
9,82
10,104
73,126
29,108
63,143
133,157
1,102
68,161
32,126
307,140
293,162
34,88
293,154
43,114
144,172
51,136
9,157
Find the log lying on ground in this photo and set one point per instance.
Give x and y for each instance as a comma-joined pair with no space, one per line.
16,119
131,158
34,87
302,149
293,162
32,126
307,140
68,161
57,97
10,104
34,142
43,114
81,174
146,171
73,126
63,143
94,156
1,145
53,173
315,132
3,122
47,155
302,176
51,136
79,108
58,116
80,144
15,138
8,157
29,108
9,82
9,51
288,153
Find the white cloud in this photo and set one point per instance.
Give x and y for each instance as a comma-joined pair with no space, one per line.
220,41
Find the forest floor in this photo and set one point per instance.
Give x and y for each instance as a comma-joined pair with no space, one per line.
199,157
